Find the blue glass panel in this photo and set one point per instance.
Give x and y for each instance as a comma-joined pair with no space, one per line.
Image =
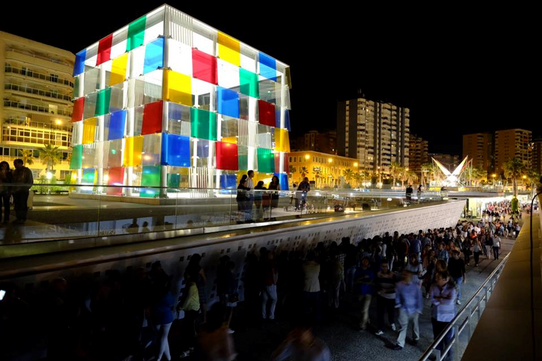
287,120
154,56
228,102
268,67
203,148
79,66
283,181
228,181
117,125
175,150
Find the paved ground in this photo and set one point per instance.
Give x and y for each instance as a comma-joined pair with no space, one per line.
346,343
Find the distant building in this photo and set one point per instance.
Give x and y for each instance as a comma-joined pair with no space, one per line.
512,143
373,132
418,153
325,142
324,169
536,150
480,148
37,88
448,160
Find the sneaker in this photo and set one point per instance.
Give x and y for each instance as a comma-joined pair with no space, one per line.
184,354
458,302
230,331
379,332
396,348
393,327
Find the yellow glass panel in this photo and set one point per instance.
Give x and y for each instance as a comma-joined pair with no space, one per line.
229,49
177,88
118,70
231,140
132,151
282,140
89,130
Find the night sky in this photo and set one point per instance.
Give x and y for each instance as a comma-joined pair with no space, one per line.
459,70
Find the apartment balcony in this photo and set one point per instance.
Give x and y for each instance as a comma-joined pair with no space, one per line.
37,92
35,108
30,74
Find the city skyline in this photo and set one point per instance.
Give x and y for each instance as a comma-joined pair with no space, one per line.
458,73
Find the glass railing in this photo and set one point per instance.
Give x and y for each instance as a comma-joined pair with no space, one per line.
31,74
50,127
88,215
36,108
35,91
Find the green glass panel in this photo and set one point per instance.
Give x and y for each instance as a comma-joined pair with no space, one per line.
77,157
136,33
150,178
102,102
249,83
203,124
266,161
76,88
88,176
173,180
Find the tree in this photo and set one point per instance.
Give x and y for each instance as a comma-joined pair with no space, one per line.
317,173
348,175
411,177
395,171
514,168
51,156
27,156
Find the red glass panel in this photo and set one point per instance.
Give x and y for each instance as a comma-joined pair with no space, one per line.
78,107
115,177
152,118
267,113
204,66
104,49
227,156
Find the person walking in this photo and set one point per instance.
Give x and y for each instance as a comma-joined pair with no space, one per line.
364,277
443,296
6,180
23,181
274,185
496,246
456,269
385,302
242,199
301,194
408,299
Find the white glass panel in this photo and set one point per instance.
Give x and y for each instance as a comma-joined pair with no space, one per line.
153,32
152,148
179,119
228,75
137,62
248,58
266,136
92,81
179,57
90,106
252,134
204,94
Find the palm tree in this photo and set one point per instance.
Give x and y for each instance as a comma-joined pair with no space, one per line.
348,175
304,171
27,156
395,171
50,155
514,168
317,172
411,177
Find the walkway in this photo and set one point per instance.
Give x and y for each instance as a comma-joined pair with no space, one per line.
346,343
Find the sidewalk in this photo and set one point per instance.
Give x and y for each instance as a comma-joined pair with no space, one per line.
346,342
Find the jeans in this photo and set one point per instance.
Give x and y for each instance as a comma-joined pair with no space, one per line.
365,301
404,319
438,327
269,293
496,252
20,200
384,305
458,282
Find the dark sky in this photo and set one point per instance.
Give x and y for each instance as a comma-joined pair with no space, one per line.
459,70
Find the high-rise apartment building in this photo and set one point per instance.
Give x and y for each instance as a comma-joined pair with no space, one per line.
37,87
536,150
450,161
512,143
325,142
418,153
480,148
373,132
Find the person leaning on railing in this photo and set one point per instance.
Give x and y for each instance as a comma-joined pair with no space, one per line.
22,181
6,178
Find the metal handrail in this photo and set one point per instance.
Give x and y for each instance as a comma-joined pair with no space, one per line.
461,313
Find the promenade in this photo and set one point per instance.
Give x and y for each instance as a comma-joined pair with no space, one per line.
346,342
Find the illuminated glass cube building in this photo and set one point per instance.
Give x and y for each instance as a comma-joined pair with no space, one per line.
169,101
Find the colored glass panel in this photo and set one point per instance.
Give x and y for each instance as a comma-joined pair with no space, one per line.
175,150
77,157
173,180
152,118
89,130
154,56
89,176
152,149
136,33
267,113
202,148
133,147
78,107
104,49
287,120
282,140
266,161
277,161
204,66
80,58
103,101
150,177
229,49
226,156
249,83
228,181
203,124
228,102
115,177
268,67
118,70
286,168
177,88
283,181
117,125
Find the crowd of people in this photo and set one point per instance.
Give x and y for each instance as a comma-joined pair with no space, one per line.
136,314
14,187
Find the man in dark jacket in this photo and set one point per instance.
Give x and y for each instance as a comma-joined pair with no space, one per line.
22,180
